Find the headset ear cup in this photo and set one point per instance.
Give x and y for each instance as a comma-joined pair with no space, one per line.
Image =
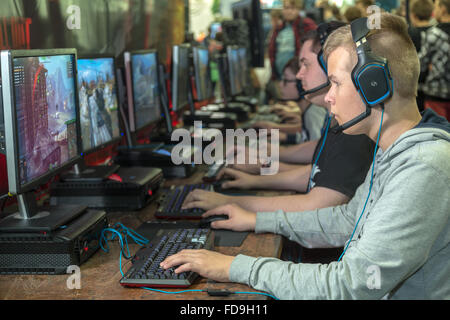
373,81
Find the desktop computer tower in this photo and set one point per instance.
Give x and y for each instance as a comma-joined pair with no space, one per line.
159,156
50,251
131,188
209,119
241,111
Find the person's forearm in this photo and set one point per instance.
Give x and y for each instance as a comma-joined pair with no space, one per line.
286,203
283,167
296,180
318,198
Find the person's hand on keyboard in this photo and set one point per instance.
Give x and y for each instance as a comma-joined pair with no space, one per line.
203,199
238,219
208,264
239,179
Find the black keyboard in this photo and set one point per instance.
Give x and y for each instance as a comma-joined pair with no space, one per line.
172,198
145,270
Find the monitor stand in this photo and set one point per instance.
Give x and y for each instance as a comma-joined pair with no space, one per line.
89,173
31,218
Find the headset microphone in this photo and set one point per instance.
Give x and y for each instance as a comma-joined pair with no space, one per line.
313,90
339,128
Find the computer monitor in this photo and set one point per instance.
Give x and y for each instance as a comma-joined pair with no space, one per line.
180,76
42,129
99,109
234,72
202,73
250,11
3,171
141,69
243,67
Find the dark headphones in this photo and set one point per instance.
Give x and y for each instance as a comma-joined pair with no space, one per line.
371,75
324,30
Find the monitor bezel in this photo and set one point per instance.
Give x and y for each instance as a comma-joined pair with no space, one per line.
119,138
175,75
131,108
209,90
232,84
11,133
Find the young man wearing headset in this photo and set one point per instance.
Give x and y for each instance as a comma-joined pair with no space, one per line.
340,161
396,228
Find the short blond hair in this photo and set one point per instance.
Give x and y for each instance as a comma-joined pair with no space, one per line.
390,41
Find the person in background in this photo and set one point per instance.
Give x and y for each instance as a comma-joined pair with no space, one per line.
420,12
286,40
330,11
276,20
352,13
362,5
435,61
214,46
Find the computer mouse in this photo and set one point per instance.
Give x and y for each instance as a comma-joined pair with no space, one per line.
218,183
206,222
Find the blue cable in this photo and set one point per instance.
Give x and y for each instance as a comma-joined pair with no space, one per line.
260,293
370,187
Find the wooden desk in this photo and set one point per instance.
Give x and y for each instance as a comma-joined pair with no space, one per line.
100,275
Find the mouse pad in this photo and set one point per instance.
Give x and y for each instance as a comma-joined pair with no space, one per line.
222,238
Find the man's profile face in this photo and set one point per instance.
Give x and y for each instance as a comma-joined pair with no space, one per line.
311,74
345,101
288,86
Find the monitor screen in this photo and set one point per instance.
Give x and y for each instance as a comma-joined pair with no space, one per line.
144,74
97,96
180,77
202,73
215,28
44,110
233,70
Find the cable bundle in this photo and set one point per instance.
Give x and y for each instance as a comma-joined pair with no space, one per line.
119,231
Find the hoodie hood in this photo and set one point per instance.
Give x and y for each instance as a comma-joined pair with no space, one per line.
432,127
431,119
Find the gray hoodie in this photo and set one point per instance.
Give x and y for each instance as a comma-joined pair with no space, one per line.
400,248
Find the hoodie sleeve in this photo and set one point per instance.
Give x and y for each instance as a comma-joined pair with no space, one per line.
394,240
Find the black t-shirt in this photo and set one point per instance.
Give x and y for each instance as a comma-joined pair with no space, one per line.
343,162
